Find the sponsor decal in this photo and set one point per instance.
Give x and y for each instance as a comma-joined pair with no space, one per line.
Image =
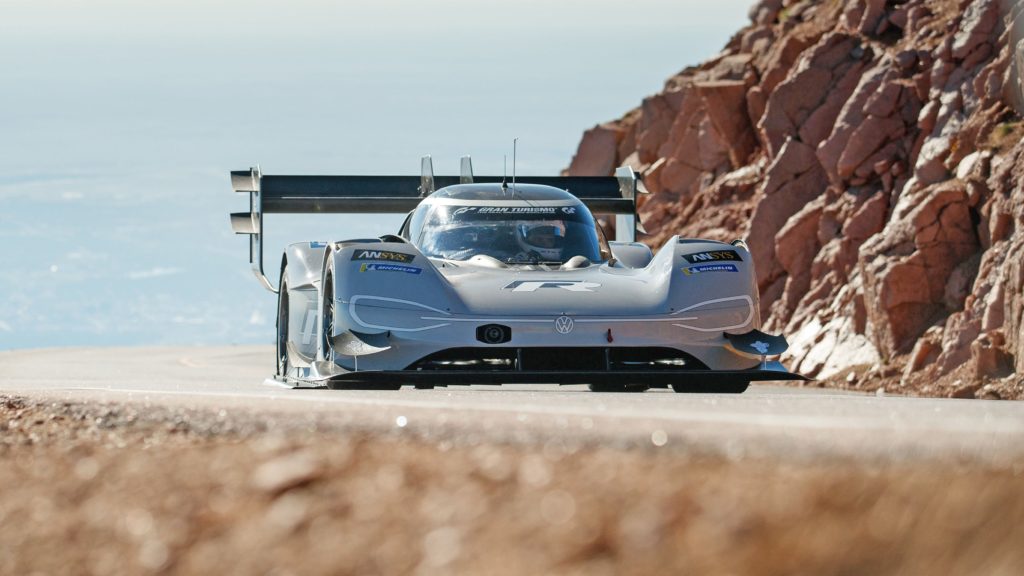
761,347
692,270
713,256
318,244
389,268
386,255
507,210
563,324
534,285
515,210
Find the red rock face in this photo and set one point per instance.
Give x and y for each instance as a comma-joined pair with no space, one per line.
871,153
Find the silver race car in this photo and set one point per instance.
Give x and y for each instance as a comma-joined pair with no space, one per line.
491,281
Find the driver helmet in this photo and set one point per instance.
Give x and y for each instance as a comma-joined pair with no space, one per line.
544,238
455,238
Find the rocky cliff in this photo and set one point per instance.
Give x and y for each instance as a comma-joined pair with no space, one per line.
871,153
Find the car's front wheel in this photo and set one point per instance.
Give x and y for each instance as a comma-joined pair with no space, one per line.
283,364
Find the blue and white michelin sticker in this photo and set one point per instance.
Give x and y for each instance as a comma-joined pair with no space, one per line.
692,270
389,268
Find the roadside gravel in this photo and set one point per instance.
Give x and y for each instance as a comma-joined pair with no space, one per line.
110,488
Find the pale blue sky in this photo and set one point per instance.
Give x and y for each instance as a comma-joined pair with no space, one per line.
119,121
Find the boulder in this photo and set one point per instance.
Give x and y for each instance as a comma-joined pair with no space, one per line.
976,27
597,152
931,161
865,140
791,182
989,358
794,100
907,266
848,119
656,116
868,220
874,12
764,11
726,104
925,351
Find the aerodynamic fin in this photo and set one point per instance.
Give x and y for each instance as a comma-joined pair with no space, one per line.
466,170
757,344
357,344
426,176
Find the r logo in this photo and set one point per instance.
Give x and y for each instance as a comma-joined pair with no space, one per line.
534,285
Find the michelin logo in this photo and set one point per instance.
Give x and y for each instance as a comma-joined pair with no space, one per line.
389,268
693,270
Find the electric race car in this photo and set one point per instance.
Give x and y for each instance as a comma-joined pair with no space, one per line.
491,282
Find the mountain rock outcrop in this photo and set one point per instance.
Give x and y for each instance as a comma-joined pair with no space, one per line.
872,154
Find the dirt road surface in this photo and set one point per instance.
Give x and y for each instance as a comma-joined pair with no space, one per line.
161,460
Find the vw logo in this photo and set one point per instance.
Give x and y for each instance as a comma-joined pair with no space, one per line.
563,324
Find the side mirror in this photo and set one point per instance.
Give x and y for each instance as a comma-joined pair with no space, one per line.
631,254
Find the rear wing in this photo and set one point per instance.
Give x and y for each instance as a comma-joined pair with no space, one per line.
399,194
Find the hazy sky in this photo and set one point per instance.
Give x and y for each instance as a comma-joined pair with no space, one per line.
119,121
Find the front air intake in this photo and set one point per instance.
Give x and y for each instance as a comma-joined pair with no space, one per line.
574,359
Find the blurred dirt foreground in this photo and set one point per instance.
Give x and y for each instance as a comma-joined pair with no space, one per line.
133,489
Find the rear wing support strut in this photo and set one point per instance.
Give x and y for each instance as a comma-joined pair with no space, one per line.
251,223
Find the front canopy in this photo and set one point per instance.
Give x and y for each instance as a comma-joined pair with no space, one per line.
512,234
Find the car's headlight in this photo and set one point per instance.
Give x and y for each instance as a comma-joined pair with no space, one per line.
394,314
718,315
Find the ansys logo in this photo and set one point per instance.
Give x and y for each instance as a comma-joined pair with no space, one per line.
384,255
713,256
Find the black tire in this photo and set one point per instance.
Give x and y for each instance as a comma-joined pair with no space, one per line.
327,319
726,388
283,364
617,387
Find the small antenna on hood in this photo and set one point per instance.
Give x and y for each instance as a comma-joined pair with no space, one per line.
504,172
514,140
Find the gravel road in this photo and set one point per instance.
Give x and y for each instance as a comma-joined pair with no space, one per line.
766,421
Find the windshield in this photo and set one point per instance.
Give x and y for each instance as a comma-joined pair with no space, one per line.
511,234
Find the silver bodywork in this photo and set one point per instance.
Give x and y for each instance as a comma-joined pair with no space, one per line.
369,308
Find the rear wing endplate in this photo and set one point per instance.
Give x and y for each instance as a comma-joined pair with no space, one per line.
399,194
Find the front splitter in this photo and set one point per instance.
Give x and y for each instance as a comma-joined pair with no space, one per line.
654,378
